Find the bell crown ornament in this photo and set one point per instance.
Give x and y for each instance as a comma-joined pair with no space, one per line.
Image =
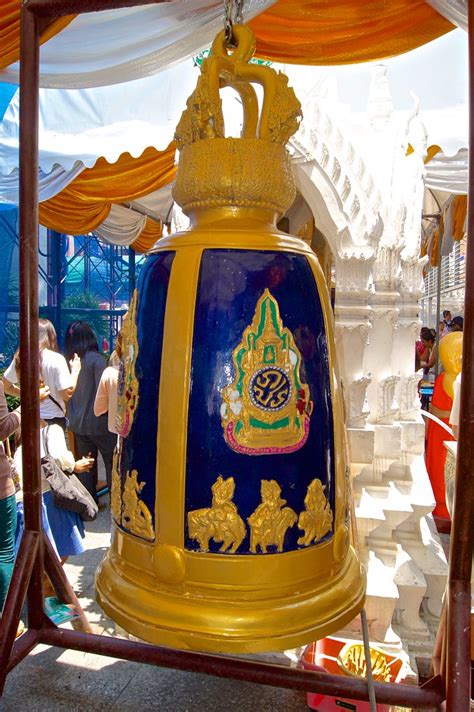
219,171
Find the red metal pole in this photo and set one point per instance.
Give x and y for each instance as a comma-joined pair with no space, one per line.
29,361
458,669
61,585
58,8
239,669
16,595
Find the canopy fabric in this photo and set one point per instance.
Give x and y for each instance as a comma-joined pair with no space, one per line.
116,46
49,184
148,236
122,226
448,174
443,232
86,202
345,31
82,125
10,31
453,10
128,228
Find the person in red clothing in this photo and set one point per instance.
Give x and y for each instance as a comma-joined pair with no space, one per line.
424,347
450,353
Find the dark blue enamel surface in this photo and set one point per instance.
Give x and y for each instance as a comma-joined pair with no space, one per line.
139,447
230,284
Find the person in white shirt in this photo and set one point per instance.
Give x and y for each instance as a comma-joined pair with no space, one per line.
54,374
106,396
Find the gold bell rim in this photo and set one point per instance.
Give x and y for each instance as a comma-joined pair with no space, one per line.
166,617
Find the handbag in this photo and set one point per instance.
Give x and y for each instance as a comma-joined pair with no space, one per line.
68,491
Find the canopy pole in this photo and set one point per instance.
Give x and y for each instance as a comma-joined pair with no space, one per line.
458,670
438,293
29,350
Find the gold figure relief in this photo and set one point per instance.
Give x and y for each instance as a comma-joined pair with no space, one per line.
220,522
271,520
266,409
316,520
115,494
127,388
136,516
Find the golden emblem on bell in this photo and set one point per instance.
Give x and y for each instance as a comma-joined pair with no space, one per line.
229,491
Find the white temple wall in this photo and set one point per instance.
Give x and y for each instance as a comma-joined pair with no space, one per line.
368,206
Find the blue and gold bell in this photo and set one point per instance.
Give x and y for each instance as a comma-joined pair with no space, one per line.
230,495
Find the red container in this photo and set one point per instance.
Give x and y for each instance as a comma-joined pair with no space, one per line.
327,655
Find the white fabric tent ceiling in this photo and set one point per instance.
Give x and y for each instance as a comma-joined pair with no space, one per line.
115,46
79,125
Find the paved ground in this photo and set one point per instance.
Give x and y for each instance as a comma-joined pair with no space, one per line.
52,680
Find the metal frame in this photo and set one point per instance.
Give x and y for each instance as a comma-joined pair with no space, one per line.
108,258
35,556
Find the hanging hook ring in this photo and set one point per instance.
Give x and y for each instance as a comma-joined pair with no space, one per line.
233,14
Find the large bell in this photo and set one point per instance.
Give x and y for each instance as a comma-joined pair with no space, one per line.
230,495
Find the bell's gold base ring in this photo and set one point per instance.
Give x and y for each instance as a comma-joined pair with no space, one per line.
229,623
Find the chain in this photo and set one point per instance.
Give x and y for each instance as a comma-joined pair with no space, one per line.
233,14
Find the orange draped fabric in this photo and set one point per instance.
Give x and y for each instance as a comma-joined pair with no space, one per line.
148,236
302,31
459,209
344,31
85,203
10,31
435,450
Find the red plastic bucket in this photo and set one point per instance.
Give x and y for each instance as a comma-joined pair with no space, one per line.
323,657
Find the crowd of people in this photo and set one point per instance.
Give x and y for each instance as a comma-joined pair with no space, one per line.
77,394
443,411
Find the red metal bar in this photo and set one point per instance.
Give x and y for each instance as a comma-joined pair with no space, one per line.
61,585
29,366
238,669
22,647
58,8
14,601
458,666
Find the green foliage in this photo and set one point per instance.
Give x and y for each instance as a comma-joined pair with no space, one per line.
12,401
86,300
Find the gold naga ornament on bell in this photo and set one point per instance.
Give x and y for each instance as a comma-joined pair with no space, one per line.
230,493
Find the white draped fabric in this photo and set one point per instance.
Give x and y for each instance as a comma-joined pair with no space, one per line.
122,226
106,121
115,46
157,204
448,174
453,10
49,184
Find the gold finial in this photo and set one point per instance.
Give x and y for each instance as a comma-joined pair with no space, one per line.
254,169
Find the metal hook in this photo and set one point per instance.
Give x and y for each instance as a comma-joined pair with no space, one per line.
233,14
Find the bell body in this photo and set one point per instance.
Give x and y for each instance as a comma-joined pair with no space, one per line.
230,490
